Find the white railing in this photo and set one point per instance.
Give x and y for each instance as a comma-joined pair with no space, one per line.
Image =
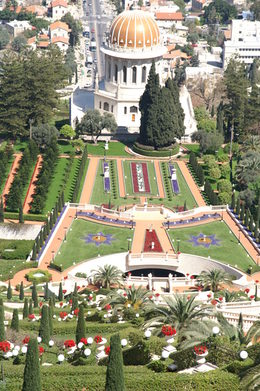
152,259
201,209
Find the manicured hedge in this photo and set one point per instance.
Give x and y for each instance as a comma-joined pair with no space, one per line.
67,378
29,217
82,166
5,157
155,153
21,249
45,278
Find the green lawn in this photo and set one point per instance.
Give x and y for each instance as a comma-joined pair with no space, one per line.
56,184
184,195
129,184
228,251
116,148
65,147
68,192
193,148
77,250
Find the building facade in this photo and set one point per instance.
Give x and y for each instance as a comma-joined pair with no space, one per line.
134,43
244,43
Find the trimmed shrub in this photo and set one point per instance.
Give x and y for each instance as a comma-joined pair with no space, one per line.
32,376
150,151
158,366
32,278
137,355
115,372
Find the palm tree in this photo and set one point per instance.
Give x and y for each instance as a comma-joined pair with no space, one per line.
180,312
251,380
107,275
231,296
251,143
135,297
199,332
212,279
248,167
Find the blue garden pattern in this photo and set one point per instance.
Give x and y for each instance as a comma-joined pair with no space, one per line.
99,238
204,240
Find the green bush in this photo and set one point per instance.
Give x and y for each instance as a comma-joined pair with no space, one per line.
237,367
254,352
158,366
20,249
137,355
31,217
184,358
135,337
156,345
156,153
32,278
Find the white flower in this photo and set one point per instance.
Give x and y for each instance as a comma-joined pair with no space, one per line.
51,342
137,315
123,342
15,352
61,358
128,305
89,312
24,349
17,347
90,340
54,316
39,339
80,344
87,352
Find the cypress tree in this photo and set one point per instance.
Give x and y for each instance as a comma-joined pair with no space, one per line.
25,309
75,292
44,234
47,227
51,221
21,219
15,320
81,325
21,291
50,317
62,198
34,252
41,238
246,218
32,377
9,291
34,295
60,295
115,370
46,292
185,205
256,229
30,307
75,302
1,211
242,212
37,240
251,223
220,118
2,325
233,201
44,330
59,204
238,206
177,109
1,301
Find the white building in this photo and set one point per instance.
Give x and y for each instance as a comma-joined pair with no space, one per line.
133,45
244,42
59,8
16,27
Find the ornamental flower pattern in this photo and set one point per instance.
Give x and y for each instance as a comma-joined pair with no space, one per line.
204,240
99,239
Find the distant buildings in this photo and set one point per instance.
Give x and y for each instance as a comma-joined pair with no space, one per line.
16,27
244,43
59,8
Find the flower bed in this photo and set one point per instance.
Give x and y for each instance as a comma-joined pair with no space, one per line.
174,181
140,178
107,186
151,242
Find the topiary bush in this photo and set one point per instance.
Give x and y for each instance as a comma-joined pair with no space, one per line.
237,367
158,366
137,355
32,276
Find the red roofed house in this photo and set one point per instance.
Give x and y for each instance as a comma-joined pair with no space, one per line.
59,8
61,42
59,34
39,10
167,19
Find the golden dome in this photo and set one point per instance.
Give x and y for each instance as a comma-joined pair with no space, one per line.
134,29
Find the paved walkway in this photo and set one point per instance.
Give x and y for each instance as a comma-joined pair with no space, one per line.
9,181
32,186
191,183
121,181
89,180
159,179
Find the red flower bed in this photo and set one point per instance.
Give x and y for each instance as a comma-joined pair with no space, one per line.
31,316
41,350
5,346
63,315
107,350
168,330
200,350
145,175
98,338
107,307
149,238
69,343
26,340
84,340
76,311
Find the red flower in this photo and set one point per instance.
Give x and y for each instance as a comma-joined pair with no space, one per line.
63,314
107,307
247,290
107,350
151,297
90,297
187,274
69,343
209,295
61,304
192,277
252,297
84,340
41,350
256,281
157,294
129,273
64,291
31,316
66,277
78,287
5,346
98,338
40,304
76,311
199,288
200,350
220,298
125,294
130,286
70,301
168,330
26,340
214,302
188,297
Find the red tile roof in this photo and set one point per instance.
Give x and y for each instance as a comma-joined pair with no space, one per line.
60,39
60,25
57,3
175,16
175,54
43,44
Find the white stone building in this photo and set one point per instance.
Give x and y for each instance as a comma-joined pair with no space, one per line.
244,43
133,45
59,8
16,27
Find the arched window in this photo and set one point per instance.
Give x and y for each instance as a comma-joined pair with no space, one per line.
124,74
109,71
134,75
133,109
144,74
115,75
106,106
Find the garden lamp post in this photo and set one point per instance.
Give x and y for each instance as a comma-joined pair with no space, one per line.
129,240
239,231
178,245
53,253
65,234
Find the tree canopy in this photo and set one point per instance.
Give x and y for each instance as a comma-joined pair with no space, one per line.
94,122
219,11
